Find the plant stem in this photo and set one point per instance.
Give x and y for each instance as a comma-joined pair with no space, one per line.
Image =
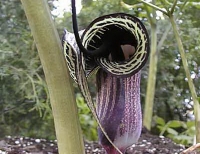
190,81
183,5
59,83
173,7
164,36
149,99
155,7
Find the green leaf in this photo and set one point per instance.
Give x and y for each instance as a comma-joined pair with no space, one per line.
130,2
160,128
172,131
184,137
190,124
160,121
175,124
190,131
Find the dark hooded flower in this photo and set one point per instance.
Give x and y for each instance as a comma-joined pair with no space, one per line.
115,47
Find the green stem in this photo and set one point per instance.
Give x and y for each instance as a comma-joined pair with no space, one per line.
173,6
164,36
190,81
149,99
150,19
155,7
59,83
183,5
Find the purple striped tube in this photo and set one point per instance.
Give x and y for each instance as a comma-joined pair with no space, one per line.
119,110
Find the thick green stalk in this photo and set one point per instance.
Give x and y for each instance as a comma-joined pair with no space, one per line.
149,99
59,83
190,81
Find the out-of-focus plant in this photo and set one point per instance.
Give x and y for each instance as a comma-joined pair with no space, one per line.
88,124
179,131
24,101
169,11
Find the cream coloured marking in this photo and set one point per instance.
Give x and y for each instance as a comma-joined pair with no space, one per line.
133,63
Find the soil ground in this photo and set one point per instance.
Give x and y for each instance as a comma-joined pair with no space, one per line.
148,144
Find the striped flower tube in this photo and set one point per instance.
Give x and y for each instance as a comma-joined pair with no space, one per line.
119,110
115,47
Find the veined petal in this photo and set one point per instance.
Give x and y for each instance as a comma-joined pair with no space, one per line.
119,110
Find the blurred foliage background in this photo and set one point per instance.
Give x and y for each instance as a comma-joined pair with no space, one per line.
24,101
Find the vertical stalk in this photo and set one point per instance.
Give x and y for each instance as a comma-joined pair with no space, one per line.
190,82
149,100
59,83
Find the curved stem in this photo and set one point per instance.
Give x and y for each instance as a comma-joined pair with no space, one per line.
101,51
75,27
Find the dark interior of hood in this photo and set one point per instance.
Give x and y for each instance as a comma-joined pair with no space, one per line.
115,34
